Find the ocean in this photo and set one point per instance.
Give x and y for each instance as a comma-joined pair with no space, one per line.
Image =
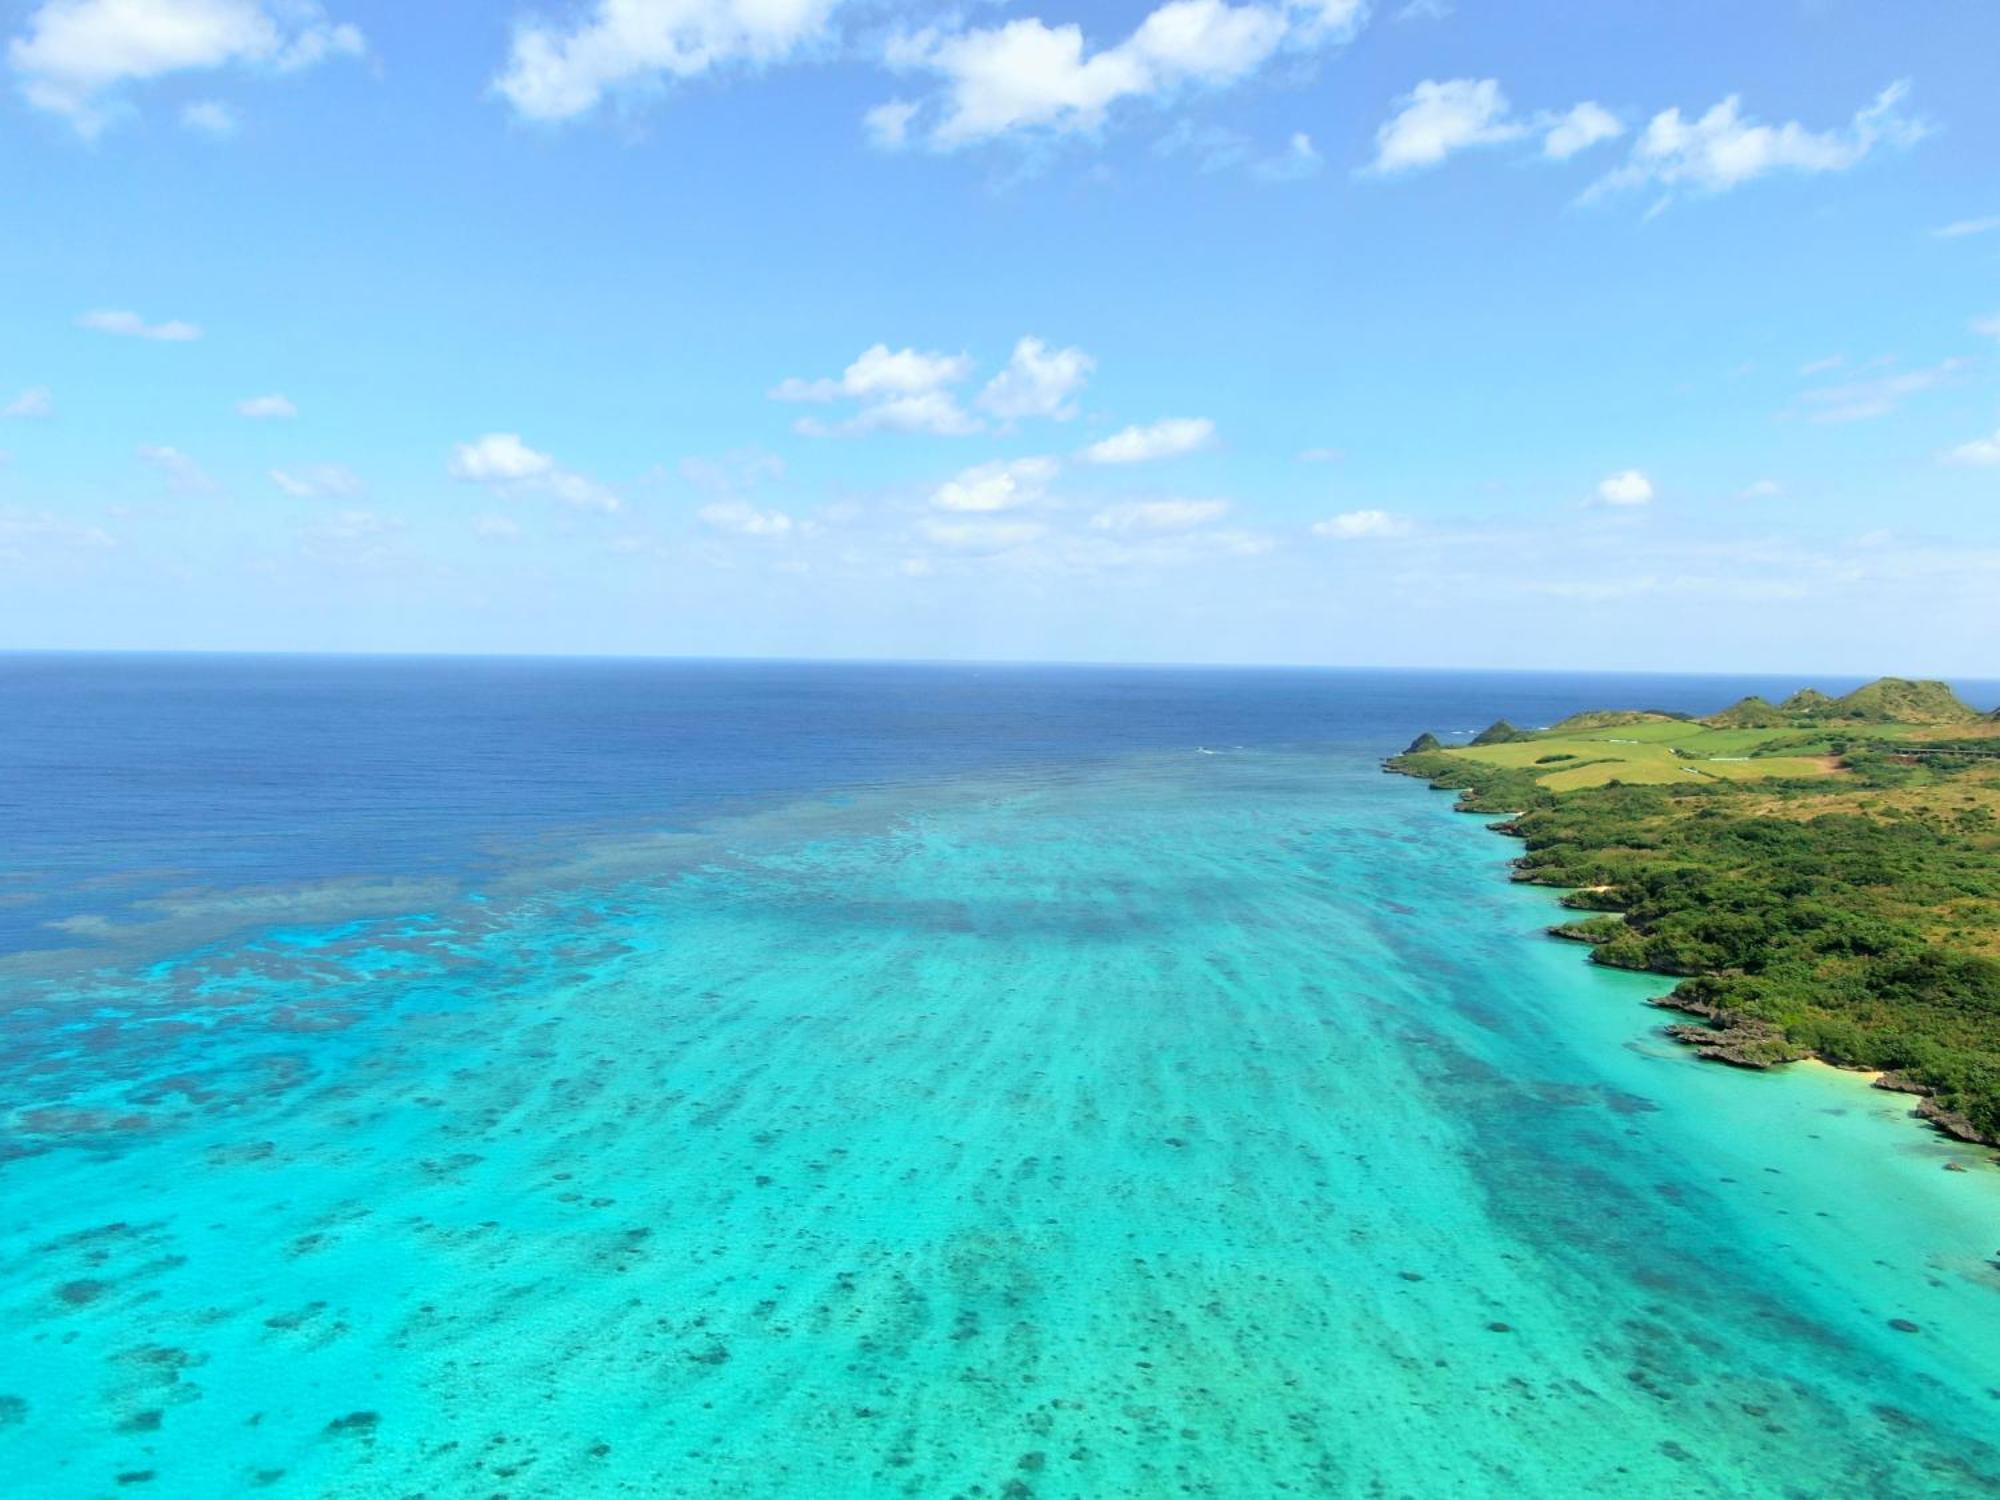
615,1078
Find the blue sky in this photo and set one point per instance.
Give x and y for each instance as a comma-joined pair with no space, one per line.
1643,335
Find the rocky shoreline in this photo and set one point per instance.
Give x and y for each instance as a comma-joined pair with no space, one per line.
1717,1034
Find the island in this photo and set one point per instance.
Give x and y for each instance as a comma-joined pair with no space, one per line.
1822,874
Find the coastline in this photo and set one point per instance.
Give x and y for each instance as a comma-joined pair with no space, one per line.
1715,1034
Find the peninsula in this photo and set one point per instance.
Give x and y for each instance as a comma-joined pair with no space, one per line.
1821,874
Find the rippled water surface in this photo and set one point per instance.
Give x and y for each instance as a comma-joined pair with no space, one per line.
1163,1105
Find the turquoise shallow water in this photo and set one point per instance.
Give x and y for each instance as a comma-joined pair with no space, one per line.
1183,1125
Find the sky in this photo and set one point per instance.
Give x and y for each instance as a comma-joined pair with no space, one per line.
1485,333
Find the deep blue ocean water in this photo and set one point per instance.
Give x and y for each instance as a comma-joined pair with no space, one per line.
573,1078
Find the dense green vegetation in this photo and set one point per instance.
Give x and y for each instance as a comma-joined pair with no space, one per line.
1852,914
1499,732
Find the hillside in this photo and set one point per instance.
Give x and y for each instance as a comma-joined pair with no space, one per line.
1749,713
1824,885
1886,700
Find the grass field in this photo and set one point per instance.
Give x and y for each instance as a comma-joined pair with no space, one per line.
1655,752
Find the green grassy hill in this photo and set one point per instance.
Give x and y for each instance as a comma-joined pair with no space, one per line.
1823,881
1886,700
1749,713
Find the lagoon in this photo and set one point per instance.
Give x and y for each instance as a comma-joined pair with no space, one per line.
603,1079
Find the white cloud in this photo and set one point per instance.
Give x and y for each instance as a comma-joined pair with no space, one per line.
1321,456
266,408
1964,227
209,117
1028,76
317,481
1859,400
911,390
1440,117
74,55
499,458
183,474
1159,515
1990,327
1762,489
33,402
1584,126
903,372
1038,382
1437,118
1626,487
555,72
1824,365
743,519
997,486
502,461
1724,148
1362,525
496,528
900,390
1168,438
130,325
1979,453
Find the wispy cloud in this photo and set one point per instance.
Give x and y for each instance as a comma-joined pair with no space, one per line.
1725,148
559,70
502,462
898,390
997,486
183,474
1218,148
1960,228
209,117
1363,525
24,533
1159,515
75,57
1860,400
318,481
1168,438
1982,453
1026,78
740,518
35,402
1038,382
123,324
1441,117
